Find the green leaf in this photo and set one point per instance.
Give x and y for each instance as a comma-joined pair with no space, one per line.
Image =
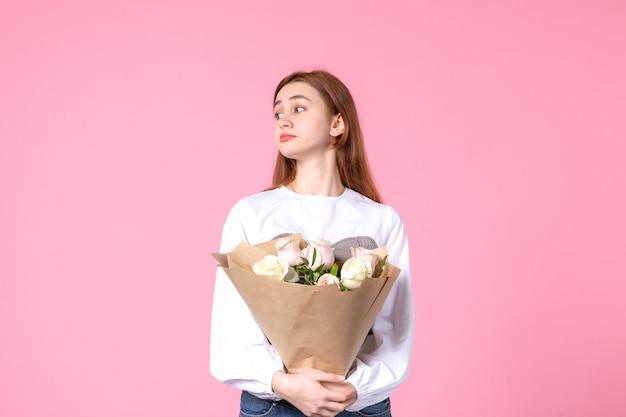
380,267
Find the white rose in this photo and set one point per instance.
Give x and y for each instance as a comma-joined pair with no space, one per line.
368,256
273,266
353,272
289,250
327,279
323,254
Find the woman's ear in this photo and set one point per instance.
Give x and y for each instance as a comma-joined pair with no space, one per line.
337,127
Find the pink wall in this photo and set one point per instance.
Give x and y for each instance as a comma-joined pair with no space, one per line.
129,128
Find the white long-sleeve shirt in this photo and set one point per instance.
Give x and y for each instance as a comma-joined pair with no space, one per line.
240,354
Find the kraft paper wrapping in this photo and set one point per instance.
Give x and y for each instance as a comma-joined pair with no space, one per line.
310,326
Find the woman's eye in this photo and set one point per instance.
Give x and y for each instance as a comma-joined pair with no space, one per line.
299,109
278,116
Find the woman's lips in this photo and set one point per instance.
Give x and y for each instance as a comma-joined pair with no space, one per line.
285,137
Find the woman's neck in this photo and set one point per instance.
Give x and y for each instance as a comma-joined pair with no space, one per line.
317,179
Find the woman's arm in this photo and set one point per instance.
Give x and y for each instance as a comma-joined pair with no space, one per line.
383,361
240,354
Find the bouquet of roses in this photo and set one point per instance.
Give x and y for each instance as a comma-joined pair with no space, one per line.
315,325
315,264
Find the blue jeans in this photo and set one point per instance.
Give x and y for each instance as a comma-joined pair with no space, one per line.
252,406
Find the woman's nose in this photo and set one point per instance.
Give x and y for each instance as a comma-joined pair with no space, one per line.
285,121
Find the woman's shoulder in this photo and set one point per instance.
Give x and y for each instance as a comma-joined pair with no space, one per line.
357,198
258,199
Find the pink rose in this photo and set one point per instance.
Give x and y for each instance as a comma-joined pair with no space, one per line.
289,250
327,279
367,256
323,254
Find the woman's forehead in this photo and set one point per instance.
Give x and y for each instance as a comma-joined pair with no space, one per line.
297,88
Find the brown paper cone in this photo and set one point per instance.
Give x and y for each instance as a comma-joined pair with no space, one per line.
310,326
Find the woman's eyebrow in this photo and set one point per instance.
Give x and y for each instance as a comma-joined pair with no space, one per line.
296,97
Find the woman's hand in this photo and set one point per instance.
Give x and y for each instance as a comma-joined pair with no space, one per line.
315,393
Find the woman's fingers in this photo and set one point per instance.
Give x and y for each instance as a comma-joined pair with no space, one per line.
341,392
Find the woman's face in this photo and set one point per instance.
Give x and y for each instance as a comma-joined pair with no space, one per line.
304,127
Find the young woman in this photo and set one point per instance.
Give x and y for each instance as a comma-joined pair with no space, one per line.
322,188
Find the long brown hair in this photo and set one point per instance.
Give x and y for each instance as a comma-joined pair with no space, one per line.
352,161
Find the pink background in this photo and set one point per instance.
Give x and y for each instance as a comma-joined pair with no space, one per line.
129,128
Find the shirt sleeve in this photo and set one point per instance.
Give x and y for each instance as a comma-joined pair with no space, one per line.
383,361
240,354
